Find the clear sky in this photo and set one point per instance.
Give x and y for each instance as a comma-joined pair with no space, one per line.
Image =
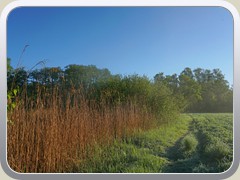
124,40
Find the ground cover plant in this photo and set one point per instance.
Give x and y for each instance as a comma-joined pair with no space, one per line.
85,119
177,147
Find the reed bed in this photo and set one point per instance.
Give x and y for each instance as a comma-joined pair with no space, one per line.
56,131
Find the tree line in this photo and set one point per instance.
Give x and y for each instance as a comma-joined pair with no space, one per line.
196,91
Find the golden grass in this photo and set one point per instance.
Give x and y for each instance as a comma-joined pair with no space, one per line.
57,131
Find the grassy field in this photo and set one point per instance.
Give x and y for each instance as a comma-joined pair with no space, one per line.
195,143
192,143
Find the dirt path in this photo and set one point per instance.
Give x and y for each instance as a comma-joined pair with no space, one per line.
180,160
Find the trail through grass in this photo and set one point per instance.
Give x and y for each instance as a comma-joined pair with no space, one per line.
198,143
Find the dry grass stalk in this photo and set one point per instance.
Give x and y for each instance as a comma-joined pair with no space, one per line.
57,131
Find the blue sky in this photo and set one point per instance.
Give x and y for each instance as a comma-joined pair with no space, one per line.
124,40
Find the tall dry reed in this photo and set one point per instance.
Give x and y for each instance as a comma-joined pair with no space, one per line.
56,131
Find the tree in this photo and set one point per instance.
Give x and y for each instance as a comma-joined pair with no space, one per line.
79,75
189,88
17,78
216,94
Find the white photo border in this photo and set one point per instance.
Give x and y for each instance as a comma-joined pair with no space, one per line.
123,3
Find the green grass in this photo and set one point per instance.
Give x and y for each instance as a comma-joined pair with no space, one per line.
200,143
123,157
188,145
214,132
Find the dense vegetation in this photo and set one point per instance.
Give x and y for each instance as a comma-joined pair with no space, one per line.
57,118
192,144
198,90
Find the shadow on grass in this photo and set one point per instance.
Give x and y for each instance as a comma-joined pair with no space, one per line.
180,160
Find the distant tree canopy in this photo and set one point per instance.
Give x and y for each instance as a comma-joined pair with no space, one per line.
203,90
198,90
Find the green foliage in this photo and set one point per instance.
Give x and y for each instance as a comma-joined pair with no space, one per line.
189,88
79,75
144,152
11,95
177,147
120,89
216,153
200,90
123,158
201,168
9,67
201,150
163,103
157,99
188,145
197,90
217,150
11,102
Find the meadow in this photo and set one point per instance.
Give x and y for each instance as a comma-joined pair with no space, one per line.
86,120
90,91
194,143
